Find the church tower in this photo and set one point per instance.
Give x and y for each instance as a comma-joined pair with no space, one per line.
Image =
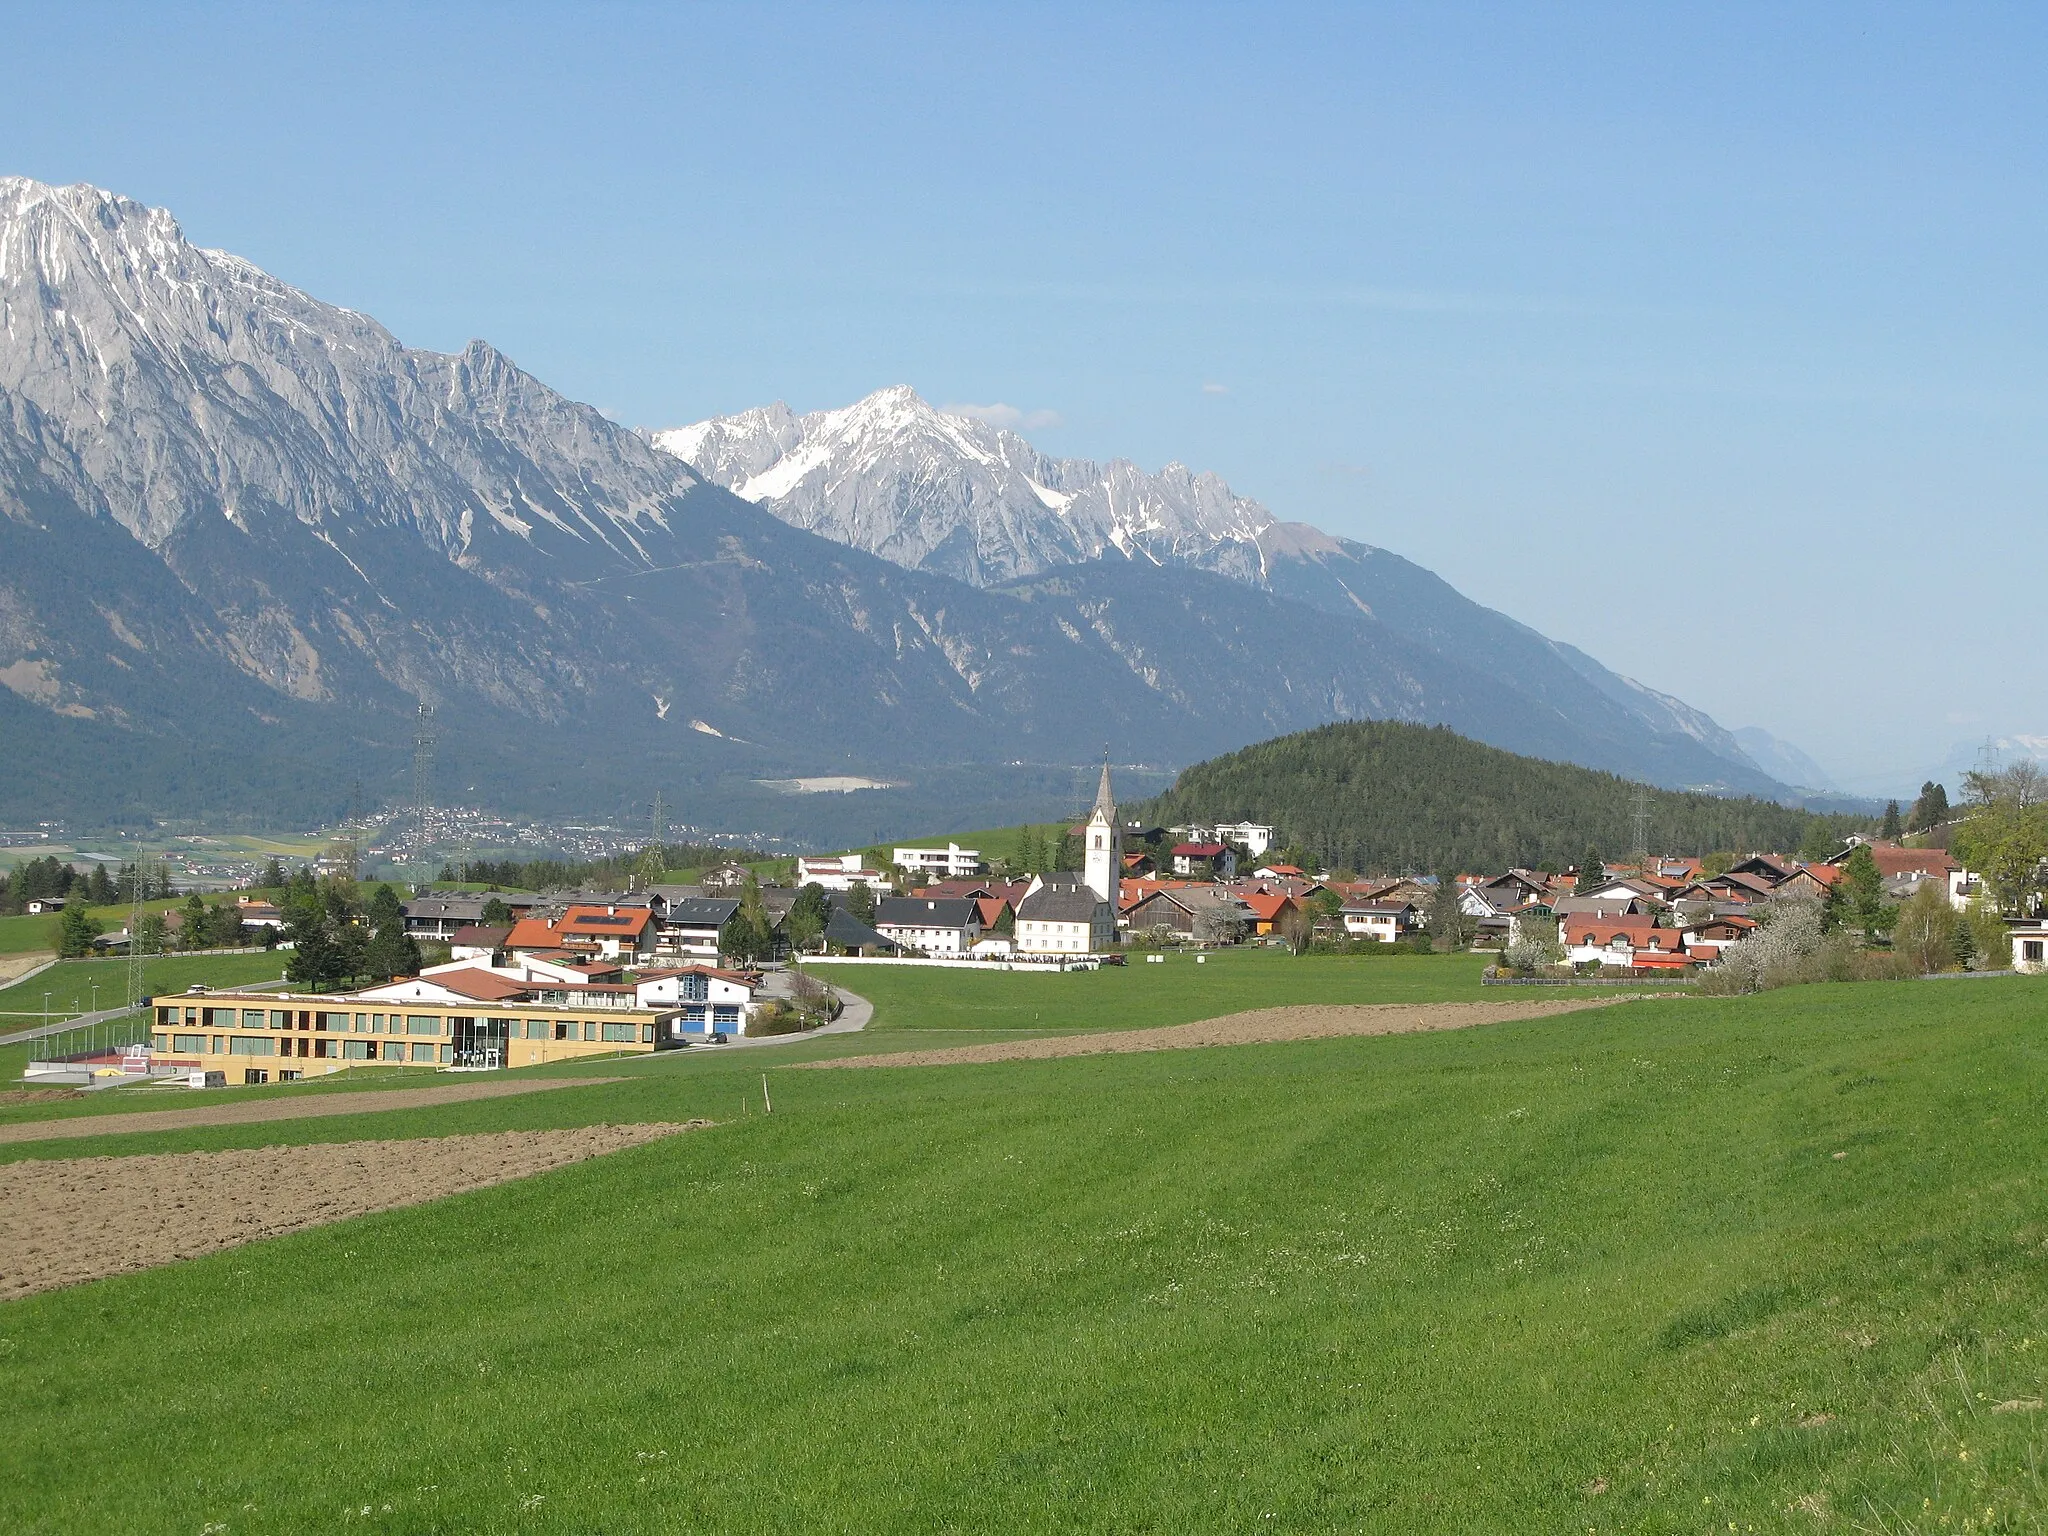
1103,844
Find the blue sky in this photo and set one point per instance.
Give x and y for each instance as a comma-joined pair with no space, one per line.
1709,339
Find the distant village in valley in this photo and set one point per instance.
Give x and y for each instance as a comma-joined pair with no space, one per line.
461,974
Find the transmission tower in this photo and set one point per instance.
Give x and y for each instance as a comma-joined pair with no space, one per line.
1639,826
135,935
658,828
423,775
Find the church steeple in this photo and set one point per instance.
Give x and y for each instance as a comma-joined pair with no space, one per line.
1103,856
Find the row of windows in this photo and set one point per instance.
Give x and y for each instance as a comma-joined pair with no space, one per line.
432,1025
270,1045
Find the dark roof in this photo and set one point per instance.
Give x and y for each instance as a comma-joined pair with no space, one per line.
480,937
926,911
702,911
849,932
1061,904
467,906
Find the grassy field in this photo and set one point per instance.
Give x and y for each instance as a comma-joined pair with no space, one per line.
1141,995
1775,1263
70,982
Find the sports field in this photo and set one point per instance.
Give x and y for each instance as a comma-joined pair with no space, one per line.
1775,1263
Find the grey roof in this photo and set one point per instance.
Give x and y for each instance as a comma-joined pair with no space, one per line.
702,911
849,932
465,906
926,911
1061,904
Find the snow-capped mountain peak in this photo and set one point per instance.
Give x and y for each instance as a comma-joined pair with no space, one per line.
933,490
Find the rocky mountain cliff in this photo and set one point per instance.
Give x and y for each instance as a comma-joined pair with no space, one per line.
947,493
243,533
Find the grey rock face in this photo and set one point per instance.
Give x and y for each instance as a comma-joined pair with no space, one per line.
243,532
939,492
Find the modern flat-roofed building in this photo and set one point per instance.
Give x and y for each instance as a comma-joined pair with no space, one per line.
469,1019
951,862
841,872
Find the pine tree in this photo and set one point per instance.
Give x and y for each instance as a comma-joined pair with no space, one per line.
1591,874
272,878
1930,810
76,929
1865,888
99,889
1893,828
391,950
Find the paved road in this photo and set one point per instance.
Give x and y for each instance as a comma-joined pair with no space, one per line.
854,1015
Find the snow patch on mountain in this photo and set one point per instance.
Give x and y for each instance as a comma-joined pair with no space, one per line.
962,495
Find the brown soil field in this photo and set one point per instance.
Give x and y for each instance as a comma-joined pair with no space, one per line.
62,1222
12,966
1262,1026
369,1101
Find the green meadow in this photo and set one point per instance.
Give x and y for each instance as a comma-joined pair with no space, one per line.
1775,1263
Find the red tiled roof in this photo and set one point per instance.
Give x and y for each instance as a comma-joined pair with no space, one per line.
481,985
1197,850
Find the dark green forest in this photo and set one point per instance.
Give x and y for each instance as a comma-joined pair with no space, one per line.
1387,797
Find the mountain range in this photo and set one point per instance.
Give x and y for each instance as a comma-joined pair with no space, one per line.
244,534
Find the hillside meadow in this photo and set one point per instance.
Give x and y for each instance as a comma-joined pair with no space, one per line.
1775,1263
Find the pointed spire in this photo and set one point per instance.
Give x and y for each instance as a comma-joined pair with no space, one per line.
1105,802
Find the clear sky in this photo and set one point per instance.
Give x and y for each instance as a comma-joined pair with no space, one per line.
1708,338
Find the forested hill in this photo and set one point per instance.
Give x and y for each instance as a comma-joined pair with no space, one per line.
1383,796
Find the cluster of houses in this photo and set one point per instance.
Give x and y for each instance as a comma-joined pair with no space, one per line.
1671,915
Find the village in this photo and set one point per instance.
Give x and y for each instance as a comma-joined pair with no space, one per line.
530,979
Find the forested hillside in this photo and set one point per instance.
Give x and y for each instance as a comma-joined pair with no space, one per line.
1384,796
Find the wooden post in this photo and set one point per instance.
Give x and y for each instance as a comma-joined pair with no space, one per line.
767,1104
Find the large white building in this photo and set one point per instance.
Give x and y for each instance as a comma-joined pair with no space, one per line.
840,872
951,862
1065,916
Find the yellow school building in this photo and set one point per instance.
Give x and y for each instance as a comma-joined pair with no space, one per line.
269,1037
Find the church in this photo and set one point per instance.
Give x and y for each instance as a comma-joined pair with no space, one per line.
1075,914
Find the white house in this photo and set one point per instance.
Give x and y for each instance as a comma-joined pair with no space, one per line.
1248,835
840,872
936,925
1064,916
1385,921
951,862
708,1000
2029,945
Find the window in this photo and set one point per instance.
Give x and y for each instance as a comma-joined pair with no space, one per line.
157,1042
416,1024
252,1018
376,1023
280,1019
421,1051
647,1034
538,1029
193,1043
447,1054
565,1029
219,1044
590,1029
2032,949
620,1034
362,1023
286,1076
358,1050
252,1045
254,1076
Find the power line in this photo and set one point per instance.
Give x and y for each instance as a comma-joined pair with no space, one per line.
423,776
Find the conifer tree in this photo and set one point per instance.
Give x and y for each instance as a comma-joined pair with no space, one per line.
1893,828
